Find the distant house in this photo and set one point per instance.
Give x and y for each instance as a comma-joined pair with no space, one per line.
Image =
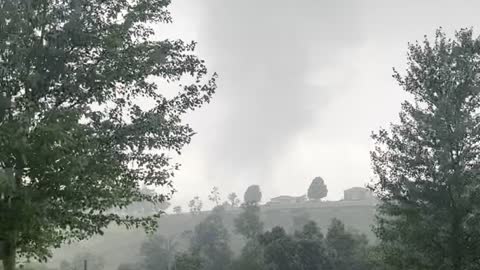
285,199
357,194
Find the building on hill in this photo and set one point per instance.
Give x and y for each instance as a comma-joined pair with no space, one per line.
357,194
285,199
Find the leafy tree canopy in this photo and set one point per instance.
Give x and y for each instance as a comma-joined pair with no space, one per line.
317,189
427,164
348,251
304,250
248,223
77,137
210,241
252,195
158,253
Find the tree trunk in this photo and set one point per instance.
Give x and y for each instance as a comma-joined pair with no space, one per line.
456,246
9,261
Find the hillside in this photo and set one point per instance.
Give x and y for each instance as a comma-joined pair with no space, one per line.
119,245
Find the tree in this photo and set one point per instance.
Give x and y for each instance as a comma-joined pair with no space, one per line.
215,196
158,252
251,257
311,249
279,250
348,251
303,250
210,241
233,199
195,205
317,189
248,223
252,195
427,165
177,209
187,261
75,140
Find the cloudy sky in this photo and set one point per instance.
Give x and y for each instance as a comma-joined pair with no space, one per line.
302,85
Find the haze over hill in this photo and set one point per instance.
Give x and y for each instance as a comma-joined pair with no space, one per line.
302,86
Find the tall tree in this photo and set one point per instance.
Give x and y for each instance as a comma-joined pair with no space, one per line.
210,241
77,135
248,222
303,250
158,253
427,165
279,250
251,257
311,248
252,195
317,189
249,225
348,251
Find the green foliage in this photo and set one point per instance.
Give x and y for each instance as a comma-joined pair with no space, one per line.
252,195
279,250
427,165
311,249
195,205
210,241
348,251
317,189
187,261
304,250
72,76
251,257
307,249
248,223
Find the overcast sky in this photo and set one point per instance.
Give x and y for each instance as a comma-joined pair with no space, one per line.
302,85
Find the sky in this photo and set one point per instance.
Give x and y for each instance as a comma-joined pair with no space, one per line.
302,85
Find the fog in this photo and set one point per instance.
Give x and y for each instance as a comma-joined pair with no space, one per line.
302,86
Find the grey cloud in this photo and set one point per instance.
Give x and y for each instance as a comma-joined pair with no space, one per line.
264,51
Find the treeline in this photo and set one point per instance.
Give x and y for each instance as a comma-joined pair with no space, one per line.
316,191
208,246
